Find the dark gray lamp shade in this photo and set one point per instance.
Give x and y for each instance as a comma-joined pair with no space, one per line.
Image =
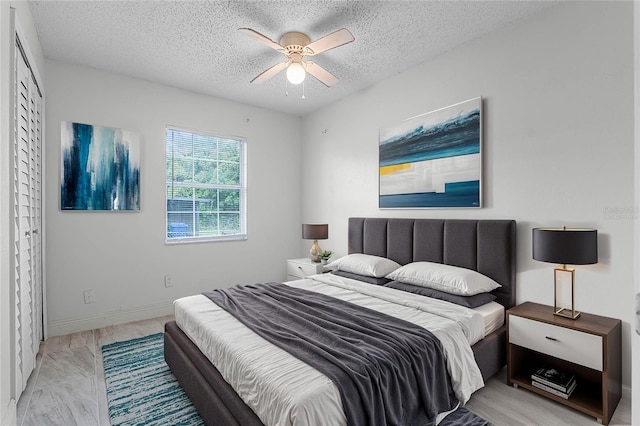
573,246
315,231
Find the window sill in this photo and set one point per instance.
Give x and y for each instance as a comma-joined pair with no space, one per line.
191,240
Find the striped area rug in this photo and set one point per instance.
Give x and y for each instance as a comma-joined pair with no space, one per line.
140,386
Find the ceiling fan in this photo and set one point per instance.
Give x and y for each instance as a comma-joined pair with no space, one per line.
295,46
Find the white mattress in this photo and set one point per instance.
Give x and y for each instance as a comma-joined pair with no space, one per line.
493,316
284,391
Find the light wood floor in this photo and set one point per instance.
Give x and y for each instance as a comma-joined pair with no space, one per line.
67,387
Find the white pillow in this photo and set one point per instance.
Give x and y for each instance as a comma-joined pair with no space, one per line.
447,278
364,264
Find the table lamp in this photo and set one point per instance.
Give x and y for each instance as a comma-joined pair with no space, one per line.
315,232
575,246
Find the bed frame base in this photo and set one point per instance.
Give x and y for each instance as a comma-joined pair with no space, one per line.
215,400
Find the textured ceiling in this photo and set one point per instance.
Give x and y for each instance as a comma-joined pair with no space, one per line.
195,45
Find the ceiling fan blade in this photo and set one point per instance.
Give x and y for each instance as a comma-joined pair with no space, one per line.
320,73
261,38
266,75
333,40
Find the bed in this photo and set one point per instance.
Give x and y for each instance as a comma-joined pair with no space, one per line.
486,246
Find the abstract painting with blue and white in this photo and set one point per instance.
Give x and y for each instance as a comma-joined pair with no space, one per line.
433,160
100,168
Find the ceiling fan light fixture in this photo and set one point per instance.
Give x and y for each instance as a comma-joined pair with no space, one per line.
296,73
295,46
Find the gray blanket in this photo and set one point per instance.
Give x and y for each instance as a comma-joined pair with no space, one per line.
388,371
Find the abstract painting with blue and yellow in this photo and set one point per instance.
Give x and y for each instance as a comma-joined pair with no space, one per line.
433,160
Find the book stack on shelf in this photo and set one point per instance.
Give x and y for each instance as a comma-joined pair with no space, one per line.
553,381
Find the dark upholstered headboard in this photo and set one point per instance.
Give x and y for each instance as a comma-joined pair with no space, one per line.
486,246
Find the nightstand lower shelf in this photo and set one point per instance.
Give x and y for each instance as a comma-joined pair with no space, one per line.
587,396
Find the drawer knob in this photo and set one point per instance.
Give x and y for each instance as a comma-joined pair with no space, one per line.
551,338
300,267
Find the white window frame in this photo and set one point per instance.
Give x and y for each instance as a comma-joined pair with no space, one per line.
242,186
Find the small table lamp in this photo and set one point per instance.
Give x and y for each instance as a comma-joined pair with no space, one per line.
576,246
315,232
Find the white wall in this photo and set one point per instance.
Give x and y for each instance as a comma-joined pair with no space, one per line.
558,144
24,22
635,408
122,256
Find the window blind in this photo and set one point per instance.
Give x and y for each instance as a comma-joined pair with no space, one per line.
206,186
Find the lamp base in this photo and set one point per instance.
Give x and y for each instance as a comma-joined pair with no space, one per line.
564,286
314,253
567,313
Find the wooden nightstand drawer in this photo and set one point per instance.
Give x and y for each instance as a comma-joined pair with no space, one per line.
300,268
571,345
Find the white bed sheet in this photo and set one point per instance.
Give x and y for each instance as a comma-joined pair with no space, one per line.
284,391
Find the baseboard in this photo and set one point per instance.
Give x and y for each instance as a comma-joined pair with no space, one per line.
75,325
10,415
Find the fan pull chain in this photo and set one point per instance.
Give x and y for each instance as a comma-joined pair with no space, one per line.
303,90
286,86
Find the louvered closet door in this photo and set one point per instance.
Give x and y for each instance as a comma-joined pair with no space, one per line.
35,188
35,160
27,220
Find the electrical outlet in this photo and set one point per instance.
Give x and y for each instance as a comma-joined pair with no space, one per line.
88,297
168,281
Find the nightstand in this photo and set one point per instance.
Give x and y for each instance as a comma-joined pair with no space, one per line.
588,347
300,268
